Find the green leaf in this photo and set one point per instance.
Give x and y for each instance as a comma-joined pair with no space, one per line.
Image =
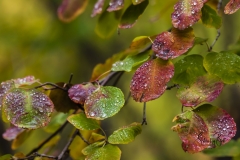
129,62
21,138
27,108
131,14
80,121
6,157
210,17
225,65
199,40
125,134
188,69
96,137
56,122
135,2
141,42
107,24
108,152
104,102
90,149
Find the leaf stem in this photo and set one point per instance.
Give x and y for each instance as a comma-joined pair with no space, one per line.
51,84
214,42
144,120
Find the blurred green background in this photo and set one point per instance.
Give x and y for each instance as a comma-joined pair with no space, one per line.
33,41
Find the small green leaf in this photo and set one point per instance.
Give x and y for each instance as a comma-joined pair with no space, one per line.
80,121
199,40
21,138
125,134
108,152
96,137
131,14
210,17
92,147
56,121
107,24
6,157
225,65
129,62
104,102
27,108
188,69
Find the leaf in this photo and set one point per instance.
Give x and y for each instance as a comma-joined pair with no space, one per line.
12,132
56,122
108,152
90,149
204,127
186,13
19,155
4,88
231,149
232,6
21,138
104,102
141,42
98,8
199,40
204,89
80,121
225,65
188,69
107,24
136,2
79,92
125,134
26,81
115,5
169,45
6,157
27,108
96,137
61,100
150,79
70,9
129,62
210,17
132,13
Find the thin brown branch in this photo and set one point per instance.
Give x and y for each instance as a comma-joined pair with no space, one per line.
144,120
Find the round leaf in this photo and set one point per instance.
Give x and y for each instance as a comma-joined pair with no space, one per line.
4,88
150,79
169,45
27,108
104,102
80,121
224,65
125,134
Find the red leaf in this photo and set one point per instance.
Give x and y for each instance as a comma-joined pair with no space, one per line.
12,132
98,8
115,5
173,44
70,9
150,79
28,80
232,6
79,92
204,89
186,13
4,88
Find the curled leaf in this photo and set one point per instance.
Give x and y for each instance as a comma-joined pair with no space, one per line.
186,13
98,8
27,108
150,79
204,89
232,6
169,45
115,5
70,9
104,102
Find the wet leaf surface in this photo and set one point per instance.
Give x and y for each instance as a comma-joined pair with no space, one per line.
186,13
169,45
27,108
188,69
150,79
70,9
115,5
104,102
4,88
232,6
125,134
135,2
80,121
79,92
210,17
12,132
132,13
98,8
204,89
225,65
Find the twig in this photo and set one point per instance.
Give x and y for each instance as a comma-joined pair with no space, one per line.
67,145
144,121
51,84
218,35
106,79
118,78
171,87
32,156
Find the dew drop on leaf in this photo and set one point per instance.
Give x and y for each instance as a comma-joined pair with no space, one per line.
98,8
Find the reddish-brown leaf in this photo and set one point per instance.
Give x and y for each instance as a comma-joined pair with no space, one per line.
12,132
169,45
70,9
232,6
115,5
186,13
150,79
98,8
79,92
204,89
